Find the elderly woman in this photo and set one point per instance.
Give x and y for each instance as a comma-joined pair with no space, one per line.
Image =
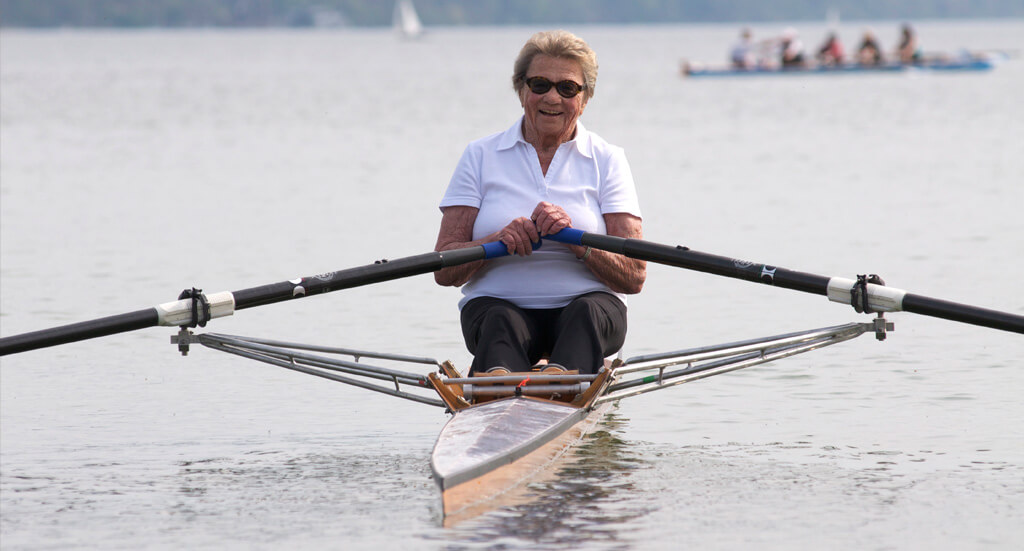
543,174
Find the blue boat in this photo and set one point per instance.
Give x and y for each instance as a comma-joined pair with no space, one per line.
961,64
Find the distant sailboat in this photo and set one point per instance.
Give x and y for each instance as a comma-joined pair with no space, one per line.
832,18
405,20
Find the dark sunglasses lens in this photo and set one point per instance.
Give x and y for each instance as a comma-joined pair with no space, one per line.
567,89
539,85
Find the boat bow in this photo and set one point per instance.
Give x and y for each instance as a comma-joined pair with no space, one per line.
488,436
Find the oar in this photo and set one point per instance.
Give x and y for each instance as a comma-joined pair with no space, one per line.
879,297
188,311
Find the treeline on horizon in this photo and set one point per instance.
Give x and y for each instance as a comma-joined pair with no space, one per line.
304,13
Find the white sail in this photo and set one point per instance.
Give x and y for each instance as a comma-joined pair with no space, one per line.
405,20
832,18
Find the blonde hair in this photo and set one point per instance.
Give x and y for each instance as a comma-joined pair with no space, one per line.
561,44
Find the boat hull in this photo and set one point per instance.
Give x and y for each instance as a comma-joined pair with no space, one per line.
950,66
490,449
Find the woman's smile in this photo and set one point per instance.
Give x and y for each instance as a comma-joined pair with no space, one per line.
551,118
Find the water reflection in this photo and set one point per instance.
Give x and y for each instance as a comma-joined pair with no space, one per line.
586,502
297,494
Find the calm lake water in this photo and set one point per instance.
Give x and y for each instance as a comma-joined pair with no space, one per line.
136,164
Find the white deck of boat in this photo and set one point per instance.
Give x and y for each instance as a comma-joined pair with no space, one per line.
482,438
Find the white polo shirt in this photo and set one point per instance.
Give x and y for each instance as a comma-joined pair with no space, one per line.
501,176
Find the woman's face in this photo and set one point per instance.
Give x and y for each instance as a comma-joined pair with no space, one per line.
549,116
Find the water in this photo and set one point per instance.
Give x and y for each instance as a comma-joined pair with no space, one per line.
135,164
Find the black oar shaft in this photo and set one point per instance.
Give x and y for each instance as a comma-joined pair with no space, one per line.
965,313
64,334
683,257
171,314
383,270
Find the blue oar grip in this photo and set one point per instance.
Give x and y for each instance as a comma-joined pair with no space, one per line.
571,236
497,249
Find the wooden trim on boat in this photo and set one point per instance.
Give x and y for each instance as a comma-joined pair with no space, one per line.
448,368
597,387
453,400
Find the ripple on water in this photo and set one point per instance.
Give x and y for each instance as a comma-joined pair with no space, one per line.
771,495
201,502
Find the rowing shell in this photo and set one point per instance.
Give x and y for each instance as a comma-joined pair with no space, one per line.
490,449
508,427
508,430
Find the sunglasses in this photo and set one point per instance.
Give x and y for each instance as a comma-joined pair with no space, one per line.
565,88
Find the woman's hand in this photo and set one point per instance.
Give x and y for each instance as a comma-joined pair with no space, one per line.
550,219
519,236
457,232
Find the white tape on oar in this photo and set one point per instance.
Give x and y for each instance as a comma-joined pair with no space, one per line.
880,297
179,312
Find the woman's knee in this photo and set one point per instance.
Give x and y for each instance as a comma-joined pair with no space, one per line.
596,306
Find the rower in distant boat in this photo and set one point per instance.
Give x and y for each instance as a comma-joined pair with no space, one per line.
791,49
831,53
543,174
742,53
869,53
908,50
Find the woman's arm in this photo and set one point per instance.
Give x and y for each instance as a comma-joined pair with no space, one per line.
457,232
620,273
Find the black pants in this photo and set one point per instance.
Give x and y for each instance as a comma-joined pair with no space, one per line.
578,336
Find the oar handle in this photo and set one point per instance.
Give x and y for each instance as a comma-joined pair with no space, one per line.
880,298
572,236
495,249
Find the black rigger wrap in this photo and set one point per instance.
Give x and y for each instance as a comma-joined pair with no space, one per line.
200,307
859,298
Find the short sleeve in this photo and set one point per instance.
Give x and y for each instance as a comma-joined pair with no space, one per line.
618,191
464,187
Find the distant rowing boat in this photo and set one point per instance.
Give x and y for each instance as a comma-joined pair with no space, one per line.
975,63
